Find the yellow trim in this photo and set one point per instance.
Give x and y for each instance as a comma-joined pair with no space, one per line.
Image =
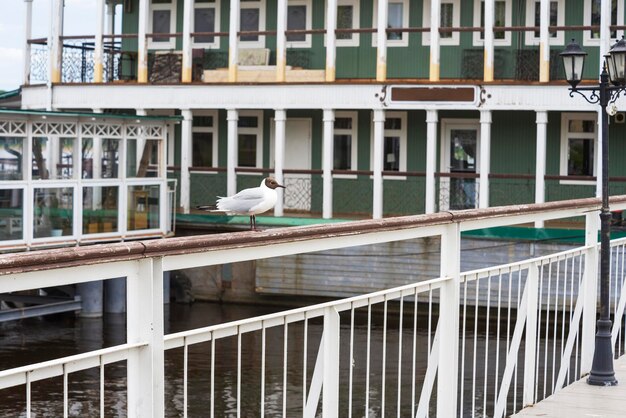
186,75
330,73
232,73
544,66
142,75
280,69
487,69
381,71
56,75
97,72
434,72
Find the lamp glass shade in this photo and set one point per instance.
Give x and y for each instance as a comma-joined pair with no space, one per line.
573,62
618,63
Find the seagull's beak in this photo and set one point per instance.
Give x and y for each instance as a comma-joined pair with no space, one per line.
279,185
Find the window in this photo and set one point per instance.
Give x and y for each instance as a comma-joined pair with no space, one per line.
162,20
299,17
578,138
501,17
397,17
206,19
394,145
557,18
11,158
204,140
250,143
347,18
252,18
450,16
592,17
345,141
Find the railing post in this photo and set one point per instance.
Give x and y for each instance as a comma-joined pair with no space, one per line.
144,324
447,380
330,389
589,292
530,349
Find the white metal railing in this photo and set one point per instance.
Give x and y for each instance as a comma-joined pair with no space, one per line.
493,339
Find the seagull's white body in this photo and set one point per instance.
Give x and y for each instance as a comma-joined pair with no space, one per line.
249,201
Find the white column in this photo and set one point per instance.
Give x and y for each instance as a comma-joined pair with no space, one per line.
488,45
379,137
485,158
605,39
331,39
110,30
28,33
381,41
280,118
590,289
431,158
330,346
97,166
142,43
544,41
598,154
540,161
141,139
233,41
232,116
98,52
530,340
327,163
56,44
435,19
281,40
185,159
187,21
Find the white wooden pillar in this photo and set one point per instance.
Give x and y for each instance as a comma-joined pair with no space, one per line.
435,19
330,346
142,43
185,159
605,39
232,117
589,292
280,119
431,158
186,76
540,160
98,53
381,41
56,44
379,138
488,37
96,166
331,39
110,30
544,41
28,33
485,158
141,140
281,40
110,23
233,41
327,163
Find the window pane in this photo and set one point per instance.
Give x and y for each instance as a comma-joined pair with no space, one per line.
343,123
582,126
11,158
393,123
595,17
202,144
446,19
53,214
248,122
110,158
142,162
100,209
499,16
394,20
203,121
161,24
554,14
580,157
41,159
344,21
11,214
65,167
143,207
249,22
247,150
392,153
204,21
342,152
296,19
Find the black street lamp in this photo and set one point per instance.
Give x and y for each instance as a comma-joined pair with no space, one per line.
612,84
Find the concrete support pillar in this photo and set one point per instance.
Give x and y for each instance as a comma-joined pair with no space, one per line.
280,119
142,42
28,33
379,138
431,158
381,41
331,39
598,154
186,75
115,295
185,160
233,41
327,163
544,41
435,19
281,41
485,158
488,44
56,43
540,160
98,53
91,298
232,116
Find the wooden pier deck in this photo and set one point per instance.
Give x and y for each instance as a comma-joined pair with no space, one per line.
583,400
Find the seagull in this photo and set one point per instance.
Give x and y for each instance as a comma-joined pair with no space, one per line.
249,202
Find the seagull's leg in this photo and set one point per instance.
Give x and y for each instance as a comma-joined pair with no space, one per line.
254,221
251,224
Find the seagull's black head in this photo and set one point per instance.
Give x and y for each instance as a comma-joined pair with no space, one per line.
272,183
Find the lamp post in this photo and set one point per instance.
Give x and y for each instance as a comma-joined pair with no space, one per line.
612,84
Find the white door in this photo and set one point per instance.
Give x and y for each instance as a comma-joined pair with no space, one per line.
297,195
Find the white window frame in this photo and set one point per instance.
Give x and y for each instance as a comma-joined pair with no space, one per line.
508,19
258,131
216,40
354,143
456,22
566,135
587,39
308,24
402,133
530,38
207,129
405,24
170,139
259,4
163,6
356,23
